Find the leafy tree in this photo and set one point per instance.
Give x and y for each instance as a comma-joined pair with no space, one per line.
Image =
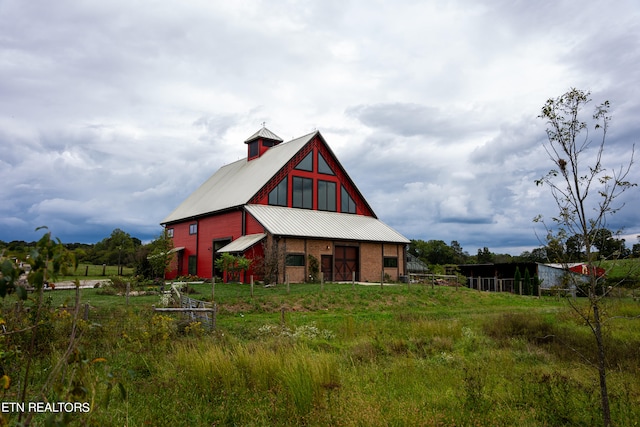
536,255
155,258
517,281
555,248
574,248
526,282
117,249
232,265
433,251
608,246
535,285
485,256
586,194
502,258
459,256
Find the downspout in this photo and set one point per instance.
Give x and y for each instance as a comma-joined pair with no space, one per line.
284,261
404,262
243,214
197,246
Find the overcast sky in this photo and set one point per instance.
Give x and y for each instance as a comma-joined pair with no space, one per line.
113,112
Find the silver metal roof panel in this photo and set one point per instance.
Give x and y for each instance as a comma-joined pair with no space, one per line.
284,221
242,243
234,184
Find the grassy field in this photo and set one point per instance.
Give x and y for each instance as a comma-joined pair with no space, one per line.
91,271
313,356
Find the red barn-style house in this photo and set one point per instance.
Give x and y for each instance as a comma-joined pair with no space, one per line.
286,204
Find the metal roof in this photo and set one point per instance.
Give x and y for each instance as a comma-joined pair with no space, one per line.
234,184
242,243
263,133
284,221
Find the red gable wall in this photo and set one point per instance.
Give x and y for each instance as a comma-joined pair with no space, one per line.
340,178
583,269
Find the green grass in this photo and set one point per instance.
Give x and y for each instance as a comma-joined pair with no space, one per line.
91,271
369,356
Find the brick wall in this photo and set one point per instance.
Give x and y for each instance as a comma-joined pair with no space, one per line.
370,260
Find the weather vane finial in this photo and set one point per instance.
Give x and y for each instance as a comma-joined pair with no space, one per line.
263,124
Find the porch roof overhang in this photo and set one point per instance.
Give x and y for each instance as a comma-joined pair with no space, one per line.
242,243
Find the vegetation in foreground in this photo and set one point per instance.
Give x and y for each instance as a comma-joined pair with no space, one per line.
396,355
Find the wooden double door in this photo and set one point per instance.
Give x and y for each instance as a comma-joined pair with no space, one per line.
346,263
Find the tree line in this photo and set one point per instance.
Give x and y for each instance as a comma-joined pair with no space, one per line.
120,248
606,244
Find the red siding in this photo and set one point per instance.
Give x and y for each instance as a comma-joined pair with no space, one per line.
182,238
253,226
256,252
224,225
220,226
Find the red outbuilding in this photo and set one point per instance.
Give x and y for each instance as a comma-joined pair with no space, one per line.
287,207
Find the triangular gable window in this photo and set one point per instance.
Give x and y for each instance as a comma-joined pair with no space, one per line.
278,196
347,205
306,164
323,166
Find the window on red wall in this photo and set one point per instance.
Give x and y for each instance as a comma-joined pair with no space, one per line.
323,166
326,196
253,149
306,164
193,228
278,196
302,192
347,205
193,265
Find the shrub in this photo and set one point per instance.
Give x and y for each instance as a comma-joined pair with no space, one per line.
530,326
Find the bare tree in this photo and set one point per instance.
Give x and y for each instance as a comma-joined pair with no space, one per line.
586,194
271,265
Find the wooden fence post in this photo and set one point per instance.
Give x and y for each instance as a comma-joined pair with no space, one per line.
214,316
252,286
353,280
288,287
321,281
213,288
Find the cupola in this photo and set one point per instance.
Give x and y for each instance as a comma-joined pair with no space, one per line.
260,142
